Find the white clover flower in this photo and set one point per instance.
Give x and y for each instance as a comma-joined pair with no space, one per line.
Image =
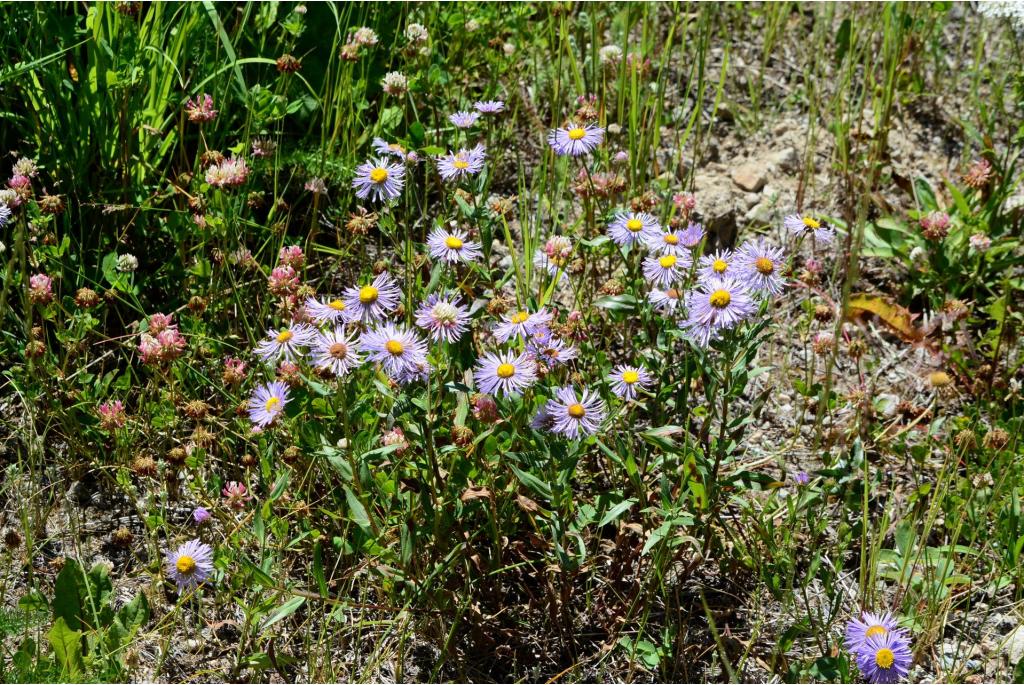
127,263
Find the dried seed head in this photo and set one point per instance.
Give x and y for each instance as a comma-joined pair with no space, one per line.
498,305
12,539
248,460
197,304
823,313
287,64
996,439
196,409
122,537
291,454
462,435
966,439
612,287
177,455
939,379
86,297
51,204
144,466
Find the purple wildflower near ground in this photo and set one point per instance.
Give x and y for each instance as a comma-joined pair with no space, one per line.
267,403
715,305
802,224
457,165
285,343
379,179
716,265
576,416
326,310
666,269
692,235
444,317
190,564
885,658
759,263
504,373
627,379
489,106
399,350
372,302
575,139
453,246
464,119
860,629
337,352
521,324
628,228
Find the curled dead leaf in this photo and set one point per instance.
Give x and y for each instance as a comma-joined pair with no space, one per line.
475,492
896,318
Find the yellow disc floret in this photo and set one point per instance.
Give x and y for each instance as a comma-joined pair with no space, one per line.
394,347
368,294
885,658
379,175
577,411
185,564
720,299
668,261
284,336
506,371
630,377
453,243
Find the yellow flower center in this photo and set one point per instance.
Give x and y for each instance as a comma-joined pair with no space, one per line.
379,175
396,147
185,564
875,630
576,133
336,305
671,239
885,658
939,379
577,411
338,350
672,293
453,242
272,403
720,299
630,377
719,265
285,336
813,224
506,371
634,225
460,163
394,347
368,294
765,266
519,317
668,261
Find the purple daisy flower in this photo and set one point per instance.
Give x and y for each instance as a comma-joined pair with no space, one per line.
576,416
691,235
715,305
667,242
504,373
860,629
666,301
800,225
717,265
553,256
200,515
398,349
543,420
489,106
326,310
383,147
521,324
627,379
628,228
285,343
552,351
337,352
452,246
666,269
575,139
372,302
885,658
464,119
801,478
457,165
379,179
759,263
190,564
416,371
444,317
267,403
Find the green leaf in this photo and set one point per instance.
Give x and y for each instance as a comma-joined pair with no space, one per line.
284,611
616,302
67,595
357,512
615,512
67,648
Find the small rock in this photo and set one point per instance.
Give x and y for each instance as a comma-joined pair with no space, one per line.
786,160
761,213
751,199
750,176
1013,645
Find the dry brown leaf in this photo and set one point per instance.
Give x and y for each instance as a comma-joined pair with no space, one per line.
897,318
